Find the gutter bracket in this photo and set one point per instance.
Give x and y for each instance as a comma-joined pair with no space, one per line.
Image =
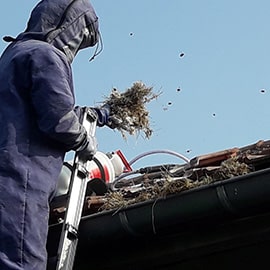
124,222
223,198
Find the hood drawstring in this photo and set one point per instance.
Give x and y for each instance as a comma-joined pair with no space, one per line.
99,47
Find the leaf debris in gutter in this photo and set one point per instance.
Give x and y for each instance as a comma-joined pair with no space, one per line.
167,184
160,181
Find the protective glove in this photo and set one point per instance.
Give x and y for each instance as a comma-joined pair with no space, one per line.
104,116
88,148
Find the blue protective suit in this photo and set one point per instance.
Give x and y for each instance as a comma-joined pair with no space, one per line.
39,123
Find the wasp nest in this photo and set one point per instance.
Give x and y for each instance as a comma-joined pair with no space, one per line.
128,109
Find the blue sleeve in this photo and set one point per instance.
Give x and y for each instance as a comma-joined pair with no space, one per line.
53,99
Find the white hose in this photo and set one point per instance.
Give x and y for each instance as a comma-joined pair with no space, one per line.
162,151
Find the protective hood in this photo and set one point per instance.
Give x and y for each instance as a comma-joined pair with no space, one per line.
69,25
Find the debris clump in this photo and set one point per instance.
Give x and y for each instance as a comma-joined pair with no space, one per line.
128,109
229,168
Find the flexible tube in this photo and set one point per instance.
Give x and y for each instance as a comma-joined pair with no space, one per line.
162,151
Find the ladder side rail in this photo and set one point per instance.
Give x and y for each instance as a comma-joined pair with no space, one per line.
77,189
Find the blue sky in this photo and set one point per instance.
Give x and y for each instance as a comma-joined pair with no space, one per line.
223,76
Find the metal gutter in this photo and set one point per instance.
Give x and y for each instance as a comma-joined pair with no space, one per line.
229,199
219,202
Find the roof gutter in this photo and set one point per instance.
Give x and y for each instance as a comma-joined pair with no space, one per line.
231,199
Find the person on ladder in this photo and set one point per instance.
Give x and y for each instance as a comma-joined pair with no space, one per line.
40,123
